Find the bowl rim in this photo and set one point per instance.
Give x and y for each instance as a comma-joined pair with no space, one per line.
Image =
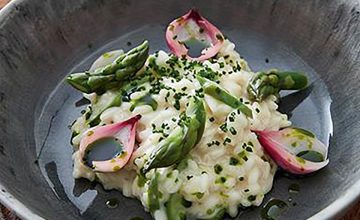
334,209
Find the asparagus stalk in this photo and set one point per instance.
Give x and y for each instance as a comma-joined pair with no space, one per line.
181,140
197,114
214,90
268,83
154,194
175,210
112,99
146,99
110,76
168,151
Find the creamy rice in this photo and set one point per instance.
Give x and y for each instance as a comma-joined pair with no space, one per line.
219,174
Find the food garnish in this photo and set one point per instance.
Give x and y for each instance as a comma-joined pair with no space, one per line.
123,134
113,74
193,27
286,147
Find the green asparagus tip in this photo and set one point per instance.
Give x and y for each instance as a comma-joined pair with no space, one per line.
77,85
272,82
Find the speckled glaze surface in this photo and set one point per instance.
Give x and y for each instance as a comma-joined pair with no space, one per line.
43,41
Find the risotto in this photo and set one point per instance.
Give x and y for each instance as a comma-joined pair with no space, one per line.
193,125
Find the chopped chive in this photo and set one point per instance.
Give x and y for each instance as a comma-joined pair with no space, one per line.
227,140
218,169
223,179
233,131
198,195
233,161
252,198
249,149
223,127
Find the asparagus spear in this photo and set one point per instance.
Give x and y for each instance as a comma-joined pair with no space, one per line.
175,210
110,76
183,164
114,98
132,85
154,194
146,99
104,102
181,140
270,83
214,90
197,114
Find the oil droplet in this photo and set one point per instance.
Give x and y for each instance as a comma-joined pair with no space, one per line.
273,209
294,188
112,203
